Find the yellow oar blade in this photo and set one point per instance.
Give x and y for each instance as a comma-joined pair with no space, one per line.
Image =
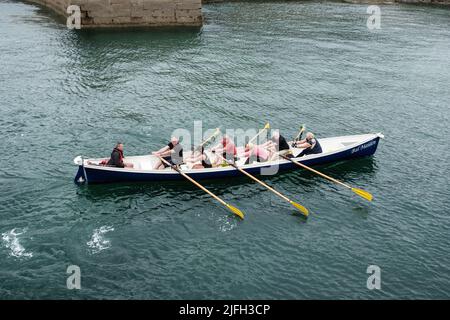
236,211
366,195
267,126
300,208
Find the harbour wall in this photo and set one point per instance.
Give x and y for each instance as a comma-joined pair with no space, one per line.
129,13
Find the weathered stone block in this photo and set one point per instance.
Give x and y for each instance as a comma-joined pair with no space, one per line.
121,10
160,19
96,5
102,21
121,6
122,20
189,5
163,12
159,4
137,12
184,13
78,2
102,13
137,20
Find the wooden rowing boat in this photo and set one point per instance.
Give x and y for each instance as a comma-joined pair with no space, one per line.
334,149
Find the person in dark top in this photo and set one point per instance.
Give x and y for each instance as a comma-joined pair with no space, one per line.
310,144
172,153
279,141
206,162
116,159
277,145
199,159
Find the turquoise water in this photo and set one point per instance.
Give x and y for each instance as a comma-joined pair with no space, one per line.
66,93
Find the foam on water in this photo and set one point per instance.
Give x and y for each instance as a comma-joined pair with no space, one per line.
11,241
98,243
226,224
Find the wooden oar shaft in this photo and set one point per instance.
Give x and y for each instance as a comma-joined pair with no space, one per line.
256,179
195,182
213,135
316,172
298,135
251,140
261,131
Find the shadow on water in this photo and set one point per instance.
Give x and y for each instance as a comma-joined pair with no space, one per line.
110,58
137,37
153,189
341,170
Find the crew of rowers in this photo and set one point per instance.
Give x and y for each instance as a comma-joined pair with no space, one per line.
172,153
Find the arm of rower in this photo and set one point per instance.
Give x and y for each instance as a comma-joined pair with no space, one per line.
196,158
218,149
166,153
304,145
160,151
245,154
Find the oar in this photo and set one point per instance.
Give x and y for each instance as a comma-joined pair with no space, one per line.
362,193
212,136
302,129
295,204
235,210
266,127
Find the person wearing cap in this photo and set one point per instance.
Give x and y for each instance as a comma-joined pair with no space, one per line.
172,153
116,159
227,148
310,144
255,152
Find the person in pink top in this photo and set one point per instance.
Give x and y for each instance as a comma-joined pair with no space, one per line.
253,152
227,148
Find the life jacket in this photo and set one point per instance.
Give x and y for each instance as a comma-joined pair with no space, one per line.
315,147
106,161
120,154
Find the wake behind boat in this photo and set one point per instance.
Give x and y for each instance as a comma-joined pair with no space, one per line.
333,149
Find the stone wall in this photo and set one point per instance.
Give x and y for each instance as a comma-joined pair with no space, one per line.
129,13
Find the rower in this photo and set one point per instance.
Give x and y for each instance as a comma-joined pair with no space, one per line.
116,159
255,152
310,144
277,144
172,153
199,159
227,148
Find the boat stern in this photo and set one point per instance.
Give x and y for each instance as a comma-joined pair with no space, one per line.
80,177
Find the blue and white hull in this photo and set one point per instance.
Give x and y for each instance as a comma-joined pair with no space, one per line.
334,149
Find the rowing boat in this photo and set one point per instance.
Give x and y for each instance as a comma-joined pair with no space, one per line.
334,149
